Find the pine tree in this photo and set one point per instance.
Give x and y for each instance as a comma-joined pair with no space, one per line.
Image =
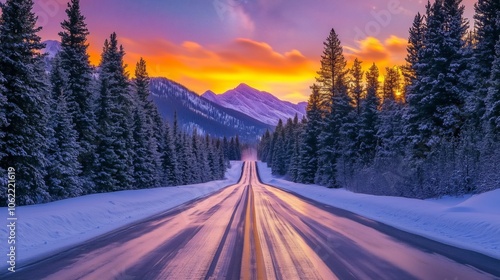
24,84
436,100
187,160
147,136
64,169
79,86
197,164
309,145
225,149
487,30
142,87
232,149
492,115
212,160
369,118
170,167
288,142
237,145
342,121
333,89
294,149
332,67
221,160
357,85
145,153
115,148
415,45
202,158
392,85
279,158
264,146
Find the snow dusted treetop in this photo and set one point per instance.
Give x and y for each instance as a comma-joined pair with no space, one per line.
332,69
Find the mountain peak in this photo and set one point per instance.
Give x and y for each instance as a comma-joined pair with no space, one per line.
243,86
257,104
209,93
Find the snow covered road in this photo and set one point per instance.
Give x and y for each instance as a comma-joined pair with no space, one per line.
254,231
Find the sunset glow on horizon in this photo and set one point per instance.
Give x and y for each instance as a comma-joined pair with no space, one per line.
274,46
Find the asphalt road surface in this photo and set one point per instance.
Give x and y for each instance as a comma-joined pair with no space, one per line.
254,231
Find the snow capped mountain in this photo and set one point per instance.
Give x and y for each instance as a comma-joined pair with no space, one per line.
206,116
52,47
259,105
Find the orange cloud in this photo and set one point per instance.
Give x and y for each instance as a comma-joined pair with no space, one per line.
370,49
223,67
389,53
396,45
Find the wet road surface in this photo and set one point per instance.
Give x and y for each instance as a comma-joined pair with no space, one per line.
254,231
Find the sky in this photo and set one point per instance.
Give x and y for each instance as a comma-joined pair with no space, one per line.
272,45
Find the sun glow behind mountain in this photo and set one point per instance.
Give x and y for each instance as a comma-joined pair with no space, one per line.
274,46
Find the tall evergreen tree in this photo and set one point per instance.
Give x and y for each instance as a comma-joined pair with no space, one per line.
142,88
115,147
309,146
197,164
435,108
225,149
24,84
415,45
147,135
357,85
63,169
187,160
232,149
392,85
369,119
170,167
78,87
492,115
332,67
211,159
264,146
343,124
237,145
333,89
294,166
146,172
221,160
279,149
487,30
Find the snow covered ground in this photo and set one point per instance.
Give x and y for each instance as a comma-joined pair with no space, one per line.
45,228
470,222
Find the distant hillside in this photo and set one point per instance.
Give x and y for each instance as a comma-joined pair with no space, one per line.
207,116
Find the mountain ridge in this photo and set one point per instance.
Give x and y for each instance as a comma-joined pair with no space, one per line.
207,117
260,105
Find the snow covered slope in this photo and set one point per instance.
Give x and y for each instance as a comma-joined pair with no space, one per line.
49,227
208,117
259,105
470,222
52,47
